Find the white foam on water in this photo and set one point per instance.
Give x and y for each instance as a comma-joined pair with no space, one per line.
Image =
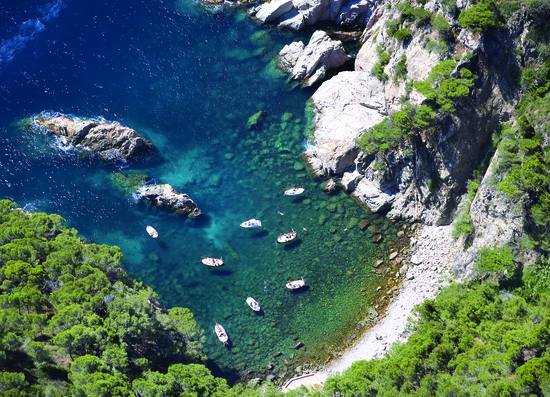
28,30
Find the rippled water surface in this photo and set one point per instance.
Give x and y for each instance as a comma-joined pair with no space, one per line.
188,81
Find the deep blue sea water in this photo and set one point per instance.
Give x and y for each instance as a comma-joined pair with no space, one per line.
188,80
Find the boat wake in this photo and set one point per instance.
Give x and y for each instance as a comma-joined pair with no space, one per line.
28,30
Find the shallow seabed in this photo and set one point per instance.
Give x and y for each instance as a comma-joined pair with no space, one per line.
189,81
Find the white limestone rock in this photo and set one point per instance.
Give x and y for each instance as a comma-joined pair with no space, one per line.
271,11
344,107
370,194
298,14
309,64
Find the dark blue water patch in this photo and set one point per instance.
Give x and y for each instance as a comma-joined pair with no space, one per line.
189,81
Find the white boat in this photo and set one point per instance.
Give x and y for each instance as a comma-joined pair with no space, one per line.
295,191
151,231
220,333
296,284
251,224
212,262
286,237
253,303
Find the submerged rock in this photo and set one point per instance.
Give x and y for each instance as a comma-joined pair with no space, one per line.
309,64
255,120
166,197
107,138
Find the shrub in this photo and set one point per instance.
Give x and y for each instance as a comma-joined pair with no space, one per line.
441,25
421,16
462,225
383,60
403,34
424,116
442,89
478,17
400,70
497,260
439,46
380,137
392,26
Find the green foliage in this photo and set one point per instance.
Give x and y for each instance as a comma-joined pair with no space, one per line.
403,34
524,161
418,15
499,259
470,340
128,183
442,89
380,137
479,17
392,26
66,308
462,225
400,70
441,25
439,46
383,60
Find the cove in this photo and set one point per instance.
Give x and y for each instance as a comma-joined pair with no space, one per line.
188,81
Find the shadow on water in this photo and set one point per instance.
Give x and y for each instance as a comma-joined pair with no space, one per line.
292,245
300,291
231,375
204,220
259,234
221,272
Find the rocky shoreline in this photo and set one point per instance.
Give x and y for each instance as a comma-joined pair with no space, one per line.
422,177
110,140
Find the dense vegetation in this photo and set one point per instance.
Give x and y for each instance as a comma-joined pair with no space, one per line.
474,340
73,323
441,90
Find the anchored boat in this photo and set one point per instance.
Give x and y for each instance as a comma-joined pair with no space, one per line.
212,262
221,334
251,224
294,191
151,231
287,237
253,303
296,284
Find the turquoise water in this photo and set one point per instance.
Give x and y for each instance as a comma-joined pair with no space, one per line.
189,81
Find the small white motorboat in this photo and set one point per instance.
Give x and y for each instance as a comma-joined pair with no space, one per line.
296,284
151,231
251,224
294,191
212,262
253,303
221,334
287,237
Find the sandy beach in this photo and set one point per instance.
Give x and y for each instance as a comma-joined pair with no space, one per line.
432,251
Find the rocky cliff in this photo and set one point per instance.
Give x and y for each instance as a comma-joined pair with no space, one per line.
421,175
422,178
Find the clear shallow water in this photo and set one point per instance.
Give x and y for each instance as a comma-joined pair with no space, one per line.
188,81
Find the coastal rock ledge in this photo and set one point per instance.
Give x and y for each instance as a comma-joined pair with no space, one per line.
309,64
166,197
108,139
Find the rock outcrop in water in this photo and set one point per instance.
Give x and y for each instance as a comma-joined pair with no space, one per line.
296,14
310,64
108,139
166,197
